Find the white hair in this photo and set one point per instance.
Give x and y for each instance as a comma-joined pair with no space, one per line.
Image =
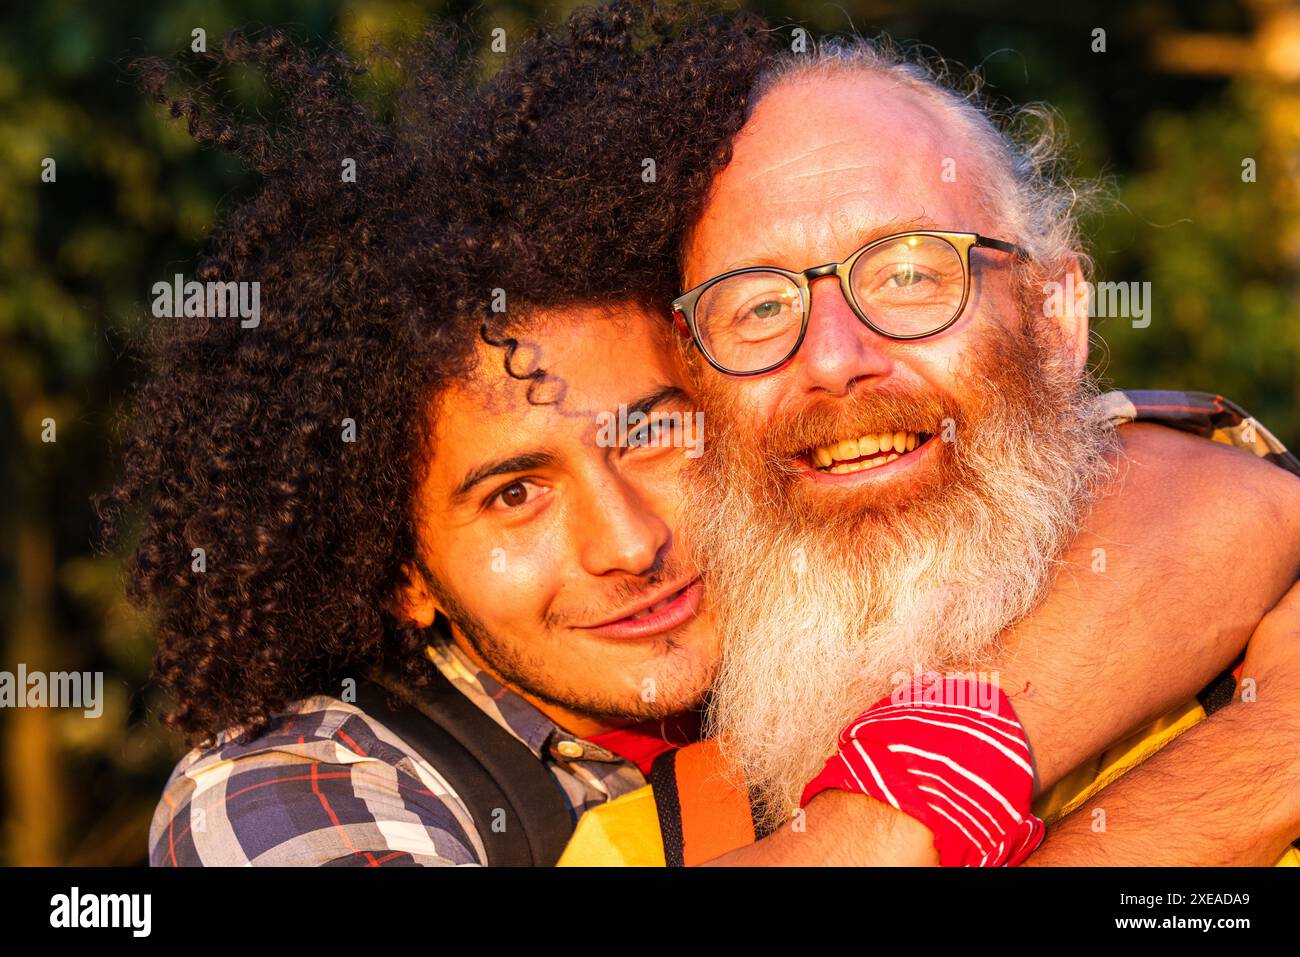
1023,149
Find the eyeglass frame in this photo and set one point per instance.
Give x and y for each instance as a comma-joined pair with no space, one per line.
962,243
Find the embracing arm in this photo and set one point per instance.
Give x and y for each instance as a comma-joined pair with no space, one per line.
841,829
1176,566
1225,793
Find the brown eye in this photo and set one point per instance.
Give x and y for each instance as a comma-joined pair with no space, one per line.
514,495
521,495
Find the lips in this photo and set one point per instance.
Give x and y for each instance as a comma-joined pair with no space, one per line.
655,614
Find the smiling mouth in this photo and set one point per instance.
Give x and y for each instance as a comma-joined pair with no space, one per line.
659,605
666,614
653,609
864,452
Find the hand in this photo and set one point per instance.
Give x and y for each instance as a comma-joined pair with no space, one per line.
929,746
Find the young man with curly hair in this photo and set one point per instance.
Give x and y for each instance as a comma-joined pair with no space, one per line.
402,503
283,472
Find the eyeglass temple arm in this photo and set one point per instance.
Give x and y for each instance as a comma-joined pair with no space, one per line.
998,244
679,323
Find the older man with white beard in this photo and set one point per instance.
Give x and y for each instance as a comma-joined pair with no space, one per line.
903,443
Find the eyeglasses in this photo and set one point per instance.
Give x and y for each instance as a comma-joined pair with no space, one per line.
905,286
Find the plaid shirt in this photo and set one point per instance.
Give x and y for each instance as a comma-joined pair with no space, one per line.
1202,413
326,785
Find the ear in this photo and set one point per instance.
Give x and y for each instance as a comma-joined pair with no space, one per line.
1072,316
414,603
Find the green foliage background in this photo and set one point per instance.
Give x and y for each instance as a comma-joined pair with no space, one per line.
134,199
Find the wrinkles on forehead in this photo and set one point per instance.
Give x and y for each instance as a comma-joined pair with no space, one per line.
826,163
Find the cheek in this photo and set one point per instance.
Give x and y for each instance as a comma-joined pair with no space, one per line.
942,365
505,585
660,484
744,402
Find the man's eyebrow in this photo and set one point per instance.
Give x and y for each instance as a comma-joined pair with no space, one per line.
652,400
544,457
870,235
515,463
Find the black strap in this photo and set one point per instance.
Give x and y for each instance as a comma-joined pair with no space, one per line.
663,785
668,807
517,805
1218,692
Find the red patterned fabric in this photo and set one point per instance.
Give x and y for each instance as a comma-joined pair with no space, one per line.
951,753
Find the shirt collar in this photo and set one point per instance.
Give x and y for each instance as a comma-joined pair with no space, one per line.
508,708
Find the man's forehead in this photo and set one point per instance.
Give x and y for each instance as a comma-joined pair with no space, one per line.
822,125
591,361
825,160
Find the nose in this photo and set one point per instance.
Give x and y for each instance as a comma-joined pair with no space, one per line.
621,532
838,348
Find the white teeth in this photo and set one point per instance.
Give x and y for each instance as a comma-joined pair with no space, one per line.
868,445
886,441
844,468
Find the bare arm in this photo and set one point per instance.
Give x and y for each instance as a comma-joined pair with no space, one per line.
841,829
1176,567
1225,793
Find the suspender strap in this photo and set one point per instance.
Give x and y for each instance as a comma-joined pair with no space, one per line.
663,783
1219,692
518,809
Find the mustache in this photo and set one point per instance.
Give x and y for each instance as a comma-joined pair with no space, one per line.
865,412
627,592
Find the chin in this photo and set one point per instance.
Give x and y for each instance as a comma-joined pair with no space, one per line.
605,686
667,684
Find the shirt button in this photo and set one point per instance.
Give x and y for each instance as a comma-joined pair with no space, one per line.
570,749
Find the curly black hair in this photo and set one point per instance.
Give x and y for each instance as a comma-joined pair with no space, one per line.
374,294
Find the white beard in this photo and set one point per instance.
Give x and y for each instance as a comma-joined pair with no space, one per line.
817,616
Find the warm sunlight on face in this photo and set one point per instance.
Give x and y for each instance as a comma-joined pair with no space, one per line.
823,167
554,550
